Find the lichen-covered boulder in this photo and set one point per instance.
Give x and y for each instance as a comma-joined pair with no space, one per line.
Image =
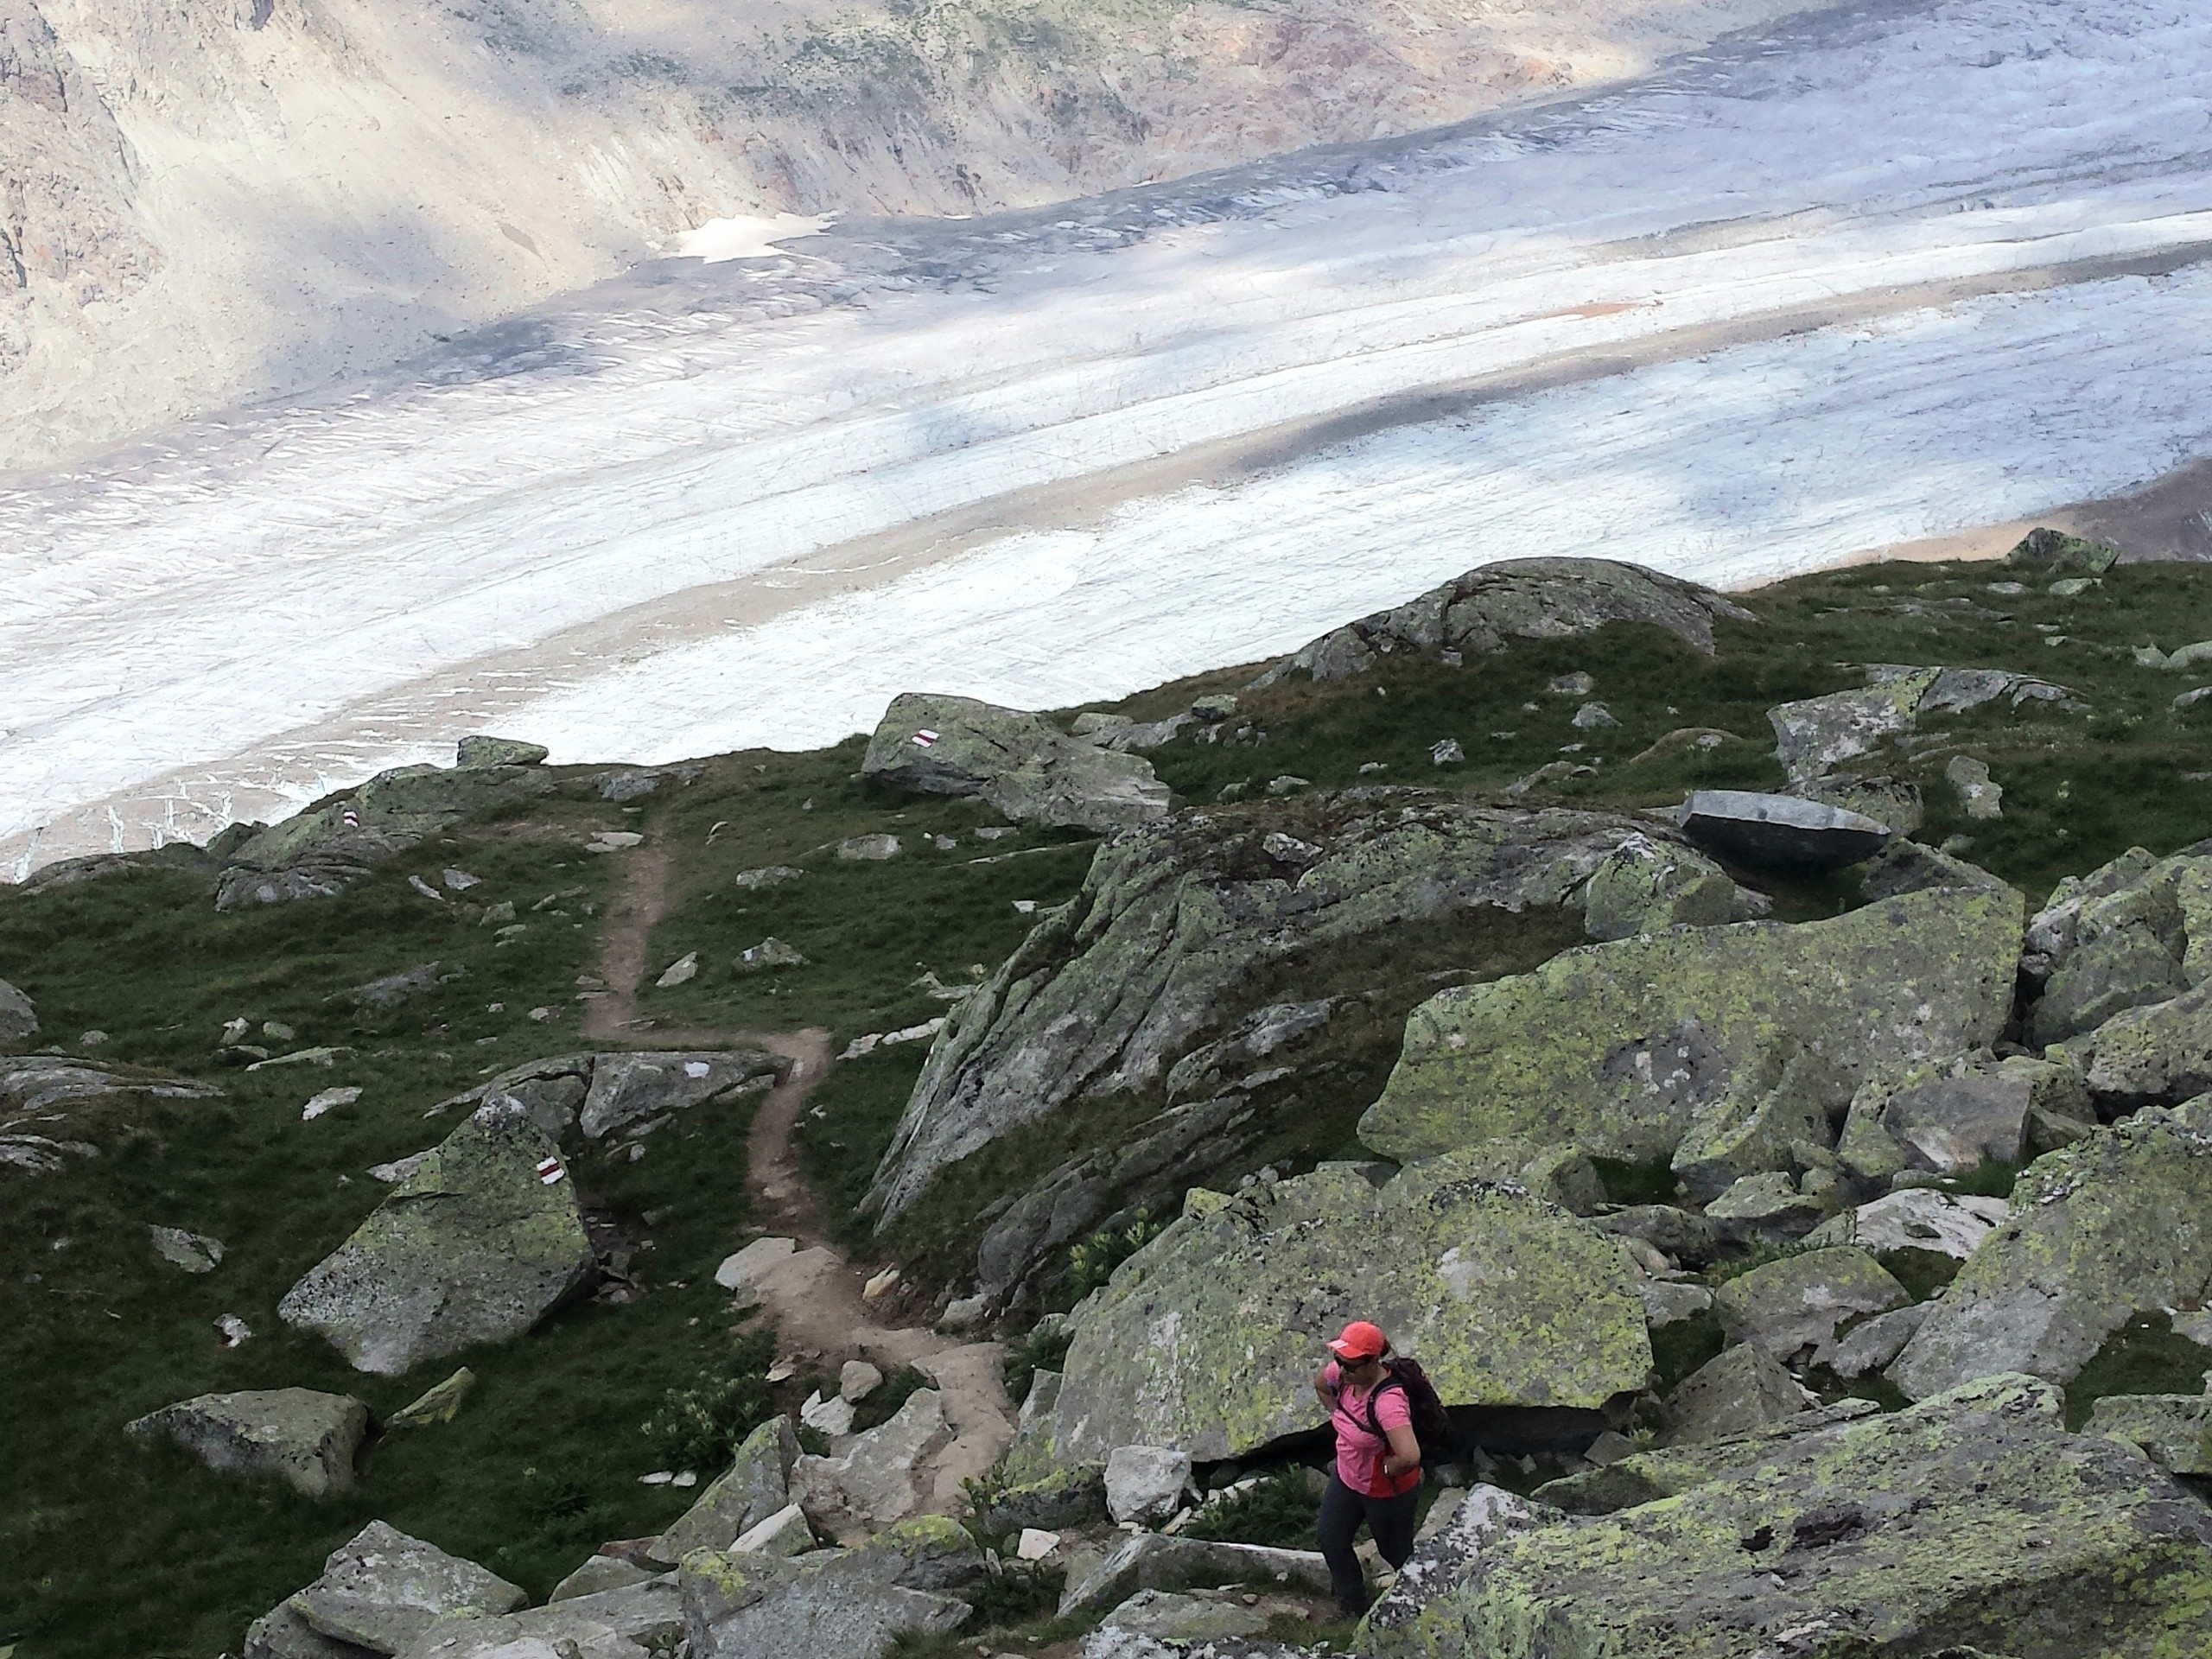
18,1020
1914,1218
2098,1232
873,1482
755,1486
1738,1389
1816,735
304,1438
479,1243
1665,1471
483,751
2162,1052
1020,763
1616,1047
1971,1523
842,1603
1484,610
634,1621
1071,1497
2134,931
2175,1430
1645,884
1207,1339
334,844
382,1589
1773,1117
1795,1304
629,1089
1219,945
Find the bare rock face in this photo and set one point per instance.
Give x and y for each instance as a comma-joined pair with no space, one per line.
475,1245
304,1438
1020,763
1180,971
1516,599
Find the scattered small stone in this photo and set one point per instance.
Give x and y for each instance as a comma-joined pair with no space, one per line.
869,1044
943,843
1368,767
833,1416
1446,751
1035,1544
426,889
439,1404
769,876
329,1100
234,1331
658,1477
856,1380
869,849
92,1039
1593,716
543,1016
688,1477
614,841
2009,589
771,952
495,915
683,969
400,1169
1216,709
996,831
1025,906
2191,699
1577,684
1969,780
234,1030
460,881
2074,586
881,1286
193,1252
1287,785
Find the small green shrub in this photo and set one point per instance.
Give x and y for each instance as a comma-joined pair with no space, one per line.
1091,1261
1280,1511
700,1427
1017,1594
1044,1349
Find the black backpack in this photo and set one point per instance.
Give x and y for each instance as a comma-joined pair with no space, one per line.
1432,1424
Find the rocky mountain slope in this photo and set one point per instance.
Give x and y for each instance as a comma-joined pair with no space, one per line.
209,203
1753,1053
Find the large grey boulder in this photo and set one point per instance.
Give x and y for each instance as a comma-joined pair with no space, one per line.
1151,1561
336,844
755,1486
1814,736
1954,1115
1740,1390
2134,931
1492,605
639,1621
1645,1477
382,1589
1199,947
1782,831
1183,1620
842,1603
1205,1340
2162,1052
2098,1232
1616,1048
18,1020
1795,1305
476,1245
483,750
281,1633
1072,1496
1774,1117
874,1481
1914,1218
1970,1523
1020,763
304,1438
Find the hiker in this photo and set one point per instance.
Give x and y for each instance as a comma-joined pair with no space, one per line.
1377,1475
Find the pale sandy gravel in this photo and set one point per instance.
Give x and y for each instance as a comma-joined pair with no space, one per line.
1053,459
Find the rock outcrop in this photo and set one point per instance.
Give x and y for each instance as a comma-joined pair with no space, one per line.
1791,1307
1619,1048
475,1245
1020,763
1205,1340
2098,1231
304,1438
1951,1117
2134,931
1971,1523
1814,736
382,1589
1481,612
337,841
1235,926
54,1108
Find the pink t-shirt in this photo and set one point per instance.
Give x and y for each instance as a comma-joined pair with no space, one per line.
1359,1454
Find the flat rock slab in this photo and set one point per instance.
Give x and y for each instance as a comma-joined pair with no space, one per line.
2099,1231
874,1481
1616,1047
382,1589
1914,1218
305,1439
1151,1561
835,1604
1971,1522
1205,1340
474,1246
630,1088
1780,831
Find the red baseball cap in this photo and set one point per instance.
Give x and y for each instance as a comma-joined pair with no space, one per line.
1360,1340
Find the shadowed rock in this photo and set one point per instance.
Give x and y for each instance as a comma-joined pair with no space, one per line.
18,1020
1780,829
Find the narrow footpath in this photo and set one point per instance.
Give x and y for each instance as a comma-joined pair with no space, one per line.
815,1296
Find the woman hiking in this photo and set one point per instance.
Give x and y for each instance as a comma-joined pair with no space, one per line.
1376,1476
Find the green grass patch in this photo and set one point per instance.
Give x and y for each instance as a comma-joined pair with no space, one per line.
2145,1355
1280,1511
1679,1346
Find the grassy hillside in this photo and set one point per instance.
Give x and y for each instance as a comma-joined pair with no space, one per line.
110,1549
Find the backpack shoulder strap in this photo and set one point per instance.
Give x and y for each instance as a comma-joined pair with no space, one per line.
1374,1424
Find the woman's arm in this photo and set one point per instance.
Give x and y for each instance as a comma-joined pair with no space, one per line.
1324,1391
1404,1453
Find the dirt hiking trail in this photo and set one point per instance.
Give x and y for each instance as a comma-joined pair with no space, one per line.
813,1296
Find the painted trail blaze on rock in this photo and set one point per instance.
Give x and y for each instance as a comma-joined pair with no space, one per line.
473,1246
1207,1339
1614,1048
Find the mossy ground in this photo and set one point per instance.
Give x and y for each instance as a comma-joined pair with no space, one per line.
110,1549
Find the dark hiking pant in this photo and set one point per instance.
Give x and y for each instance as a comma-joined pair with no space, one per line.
1392,1520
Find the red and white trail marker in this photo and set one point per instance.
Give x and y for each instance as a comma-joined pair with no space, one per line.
550,1173
925,738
